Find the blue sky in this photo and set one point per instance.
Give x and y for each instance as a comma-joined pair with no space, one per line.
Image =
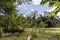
34,6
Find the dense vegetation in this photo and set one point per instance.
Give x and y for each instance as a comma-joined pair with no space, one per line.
55,3
11,21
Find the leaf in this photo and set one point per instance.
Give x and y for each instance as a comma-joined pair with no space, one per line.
53,14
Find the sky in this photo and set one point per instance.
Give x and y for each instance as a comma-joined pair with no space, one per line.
34,6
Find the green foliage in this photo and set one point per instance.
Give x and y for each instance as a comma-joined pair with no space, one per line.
11,21
55,3
42,34
39,34
40,22
1,31
7,6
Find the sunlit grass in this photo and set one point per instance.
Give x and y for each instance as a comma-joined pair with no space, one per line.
42,34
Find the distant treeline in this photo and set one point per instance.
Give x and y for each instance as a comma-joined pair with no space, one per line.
10,20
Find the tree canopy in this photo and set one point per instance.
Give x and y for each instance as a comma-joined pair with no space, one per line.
10,20
55,3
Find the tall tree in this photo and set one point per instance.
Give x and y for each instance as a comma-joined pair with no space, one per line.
9,18
7,7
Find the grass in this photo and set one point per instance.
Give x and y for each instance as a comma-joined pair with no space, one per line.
22,36
42,34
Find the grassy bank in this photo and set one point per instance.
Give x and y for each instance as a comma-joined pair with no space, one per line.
38,34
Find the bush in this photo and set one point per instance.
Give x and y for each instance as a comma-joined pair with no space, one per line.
1,31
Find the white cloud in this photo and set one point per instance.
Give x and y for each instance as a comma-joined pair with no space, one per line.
32,9
35,2
19,6
51,9
26,8
22,5
58,14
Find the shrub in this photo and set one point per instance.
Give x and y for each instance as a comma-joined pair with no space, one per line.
1,31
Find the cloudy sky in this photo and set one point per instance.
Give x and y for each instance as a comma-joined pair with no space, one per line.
34,6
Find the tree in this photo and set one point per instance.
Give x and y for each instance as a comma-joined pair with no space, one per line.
9,18
7,7
55,3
